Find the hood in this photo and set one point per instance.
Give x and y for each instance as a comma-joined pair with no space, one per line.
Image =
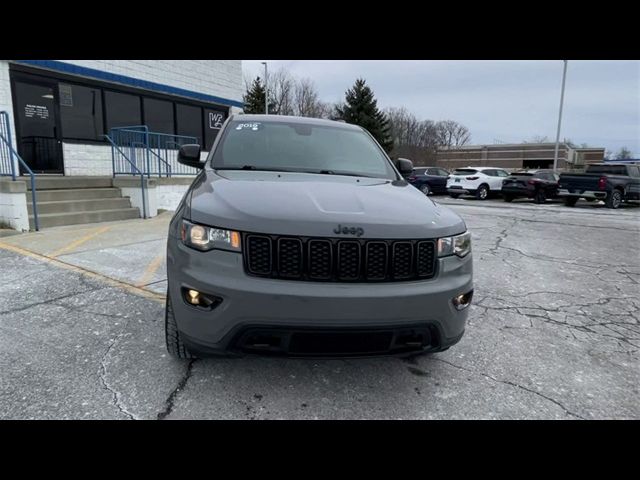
304,204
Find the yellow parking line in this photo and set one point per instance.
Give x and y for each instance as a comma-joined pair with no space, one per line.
71,246
151,269
111,281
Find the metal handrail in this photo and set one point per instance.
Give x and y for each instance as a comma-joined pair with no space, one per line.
139,136
7,142
133,165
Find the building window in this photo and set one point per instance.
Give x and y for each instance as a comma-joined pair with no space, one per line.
80,112
158,115
122,109
213,120
189,121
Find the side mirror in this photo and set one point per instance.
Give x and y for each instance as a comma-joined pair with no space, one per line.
189,155
405,166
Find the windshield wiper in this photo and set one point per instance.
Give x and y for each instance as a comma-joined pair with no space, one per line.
254,168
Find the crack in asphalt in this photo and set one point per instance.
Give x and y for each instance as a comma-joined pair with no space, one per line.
103,379
513,384
51,300
171,399
544,317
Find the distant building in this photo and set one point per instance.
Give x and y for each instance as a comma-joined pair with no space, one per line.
518,156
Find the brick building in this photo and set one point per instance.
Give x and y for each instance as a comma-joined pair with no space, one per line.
518,156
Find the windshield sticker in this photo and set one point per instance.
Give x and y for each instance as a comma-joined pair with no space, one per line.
248,126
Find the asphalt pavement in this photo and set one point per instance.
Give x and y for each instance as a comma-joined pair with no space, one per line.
553,333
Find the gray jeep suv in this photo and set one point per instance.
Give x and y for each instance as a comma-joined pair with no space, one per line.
300,237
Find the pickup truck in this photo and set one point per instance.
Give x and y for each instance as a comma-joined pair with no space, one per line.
612,182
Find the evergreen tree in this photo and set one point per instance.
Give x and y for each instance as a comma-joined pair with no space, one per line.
254,97
361,108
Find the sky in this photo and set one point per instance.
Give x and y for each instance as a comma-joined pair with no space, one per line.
498,100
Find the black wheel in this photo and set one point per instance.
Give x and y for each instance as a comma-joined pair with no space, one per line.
482,193
454,195
508,198
540,197
425,189
570,201
172,336
614,200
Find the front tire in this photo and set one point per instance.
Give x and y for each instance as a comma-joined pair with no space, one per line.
482,193
540,197
508,198
172,336
614,200
425,189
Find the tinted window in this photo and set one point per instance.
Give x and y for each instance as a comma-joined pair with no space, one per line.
213,120
442,172
122,109
491,173
612,169
301,147
420,171
432,171
80,112
189,121
634,170
158,115
464,171
502,173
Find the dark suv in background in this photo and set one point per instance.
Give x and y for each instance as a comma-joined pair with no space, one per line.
536,184
429,179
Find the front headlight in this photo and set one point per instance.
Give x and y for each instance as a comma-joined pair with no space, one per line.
208,238
459,245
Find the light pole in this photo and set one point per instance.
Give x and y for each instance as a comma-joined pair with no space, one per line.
555,154
266,90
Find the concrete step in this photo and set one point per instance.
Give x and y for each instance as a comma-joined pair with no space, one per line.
78,194
84,205
44,182
59,219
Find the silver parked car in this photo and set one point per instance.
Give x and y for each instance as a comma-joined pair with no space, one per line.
300,237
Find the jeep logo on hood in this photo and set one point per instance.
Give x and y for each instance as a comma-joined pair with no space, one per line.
358,231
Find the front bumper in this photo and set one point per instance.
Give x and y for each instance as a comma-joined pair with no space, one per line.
461,190
251,304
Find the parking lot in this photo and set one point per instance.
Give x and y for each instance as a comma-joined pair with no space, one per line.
553,333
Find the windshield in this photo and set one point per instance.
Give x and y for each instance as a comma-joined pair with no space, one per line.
300,147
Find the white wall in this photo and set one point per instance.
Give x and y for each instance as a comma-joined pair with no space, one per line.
168,196
89,160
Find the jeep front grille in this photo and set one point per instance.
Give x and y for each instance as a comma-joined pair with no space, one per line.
338,260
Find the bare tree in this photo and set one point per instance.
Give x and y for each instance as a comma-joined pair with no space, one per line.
537,139
452,134
623,154
281,88
413,138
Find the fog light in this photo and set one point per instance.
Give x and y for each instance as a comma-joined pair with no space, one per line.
200,300
193,297
461,302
